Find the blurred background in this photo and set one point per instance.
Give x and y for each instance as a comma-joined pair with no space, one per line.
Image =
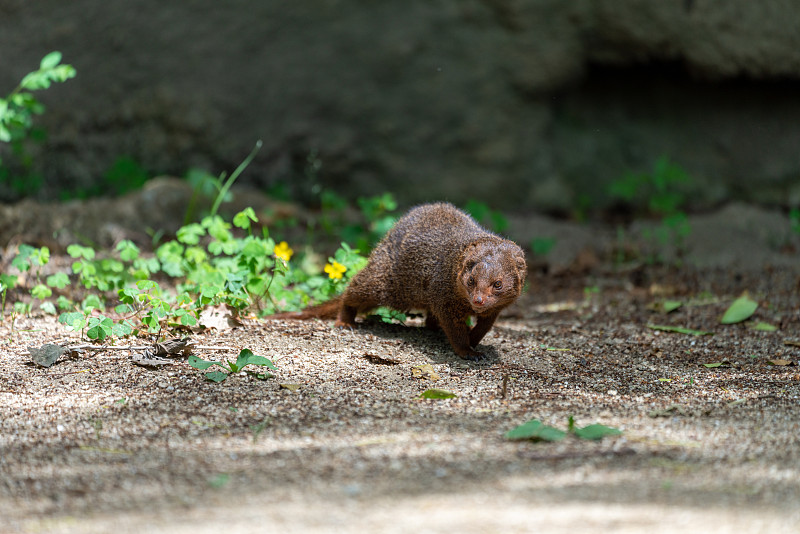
525,105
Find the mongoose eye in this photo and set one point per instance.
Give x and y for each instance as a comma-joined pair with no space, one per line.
498,284
471,281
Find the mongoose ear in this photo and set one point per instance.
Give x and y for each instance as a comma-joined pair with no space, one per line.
522,269
469,257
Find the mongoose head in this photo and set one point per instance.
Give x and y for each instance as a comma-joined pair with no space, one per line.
492,274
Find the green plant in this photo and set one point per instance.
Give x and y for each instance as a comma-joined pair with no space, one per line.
16,120
541,246
537,431
376,218
794,220
216,187
493,220
245,358
211,262
125,174
659,190
663,192
19,107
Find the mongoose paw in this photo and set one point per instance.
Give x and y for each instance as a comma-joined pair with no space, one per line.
343,324
472,355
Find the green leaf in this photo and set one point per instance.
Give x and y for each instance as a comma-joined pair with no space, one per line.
741,309
74,320
596,432
217,376
764,327
199,363
78,251
670,305
99,327
128,251
712,365
50,60
437,394
260,376
59,280
64,303
246,357
34,81
8,280
243,218
122,329
41,292
21,260
191,234
679,330
92,302
146,285
63,73
535,430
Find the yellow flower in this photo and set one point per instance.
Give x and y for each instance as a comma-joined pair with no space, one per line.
283,251
335,270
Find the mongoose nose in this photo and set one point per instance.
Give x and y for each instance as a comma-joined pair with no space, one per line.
478,300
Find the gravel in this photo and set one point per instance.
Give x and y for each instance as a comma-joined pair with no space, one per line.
95,443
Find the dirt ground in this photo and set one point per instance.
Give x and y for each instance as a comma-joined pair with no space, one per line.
96,444
338,440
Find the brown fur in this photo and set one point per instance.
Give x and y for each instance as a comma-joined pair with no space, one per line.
438,259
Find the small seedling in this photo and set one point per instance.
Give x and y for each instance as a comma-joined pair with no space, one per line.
537,431
246,357
259,428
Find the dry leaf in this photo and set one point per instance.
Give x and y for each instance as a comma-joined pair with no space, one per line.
221,317
780,362
380,360
791,342
174,346
46,355
659,290
424,371
669,411
291,387
148,358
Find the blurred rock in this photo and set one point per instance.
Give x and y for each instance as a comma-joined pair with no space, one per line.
518,103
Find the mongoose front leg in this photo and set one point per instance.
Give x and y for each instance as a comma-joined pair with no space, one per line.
483,325
458,334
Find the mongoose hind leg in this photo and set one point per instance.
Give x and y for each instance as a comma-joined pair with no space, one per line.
346,317
350,307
